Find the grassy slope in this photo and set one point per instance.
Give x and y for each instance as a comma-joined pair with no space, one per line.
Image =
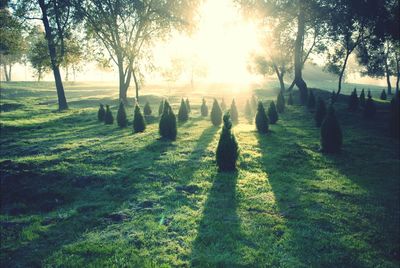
79,193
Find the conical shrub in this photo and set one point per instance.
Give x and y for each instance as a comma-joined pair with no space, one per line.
353,101
108,117
262,124
320,113
247,109
223,105
394,116
167,125
280,102
204,108
216,114
290,99
362,98
147,109
161,108
383,95
234,115
183,114
188,106
311,100
369,109
101,113
331,133
369,95
121,115
227,149
139,124
272,113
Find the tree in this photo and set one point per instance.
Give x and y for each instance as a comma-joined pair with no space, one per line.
57,17
234,115
383,95
101,113
272,113
126,28
73,55
121,115
353,101
261,119
320,113
331,133
227,148
38,55
108,118
147,109
216,114
280,102
12,43
183,114
139,124
362,98
188,105
311,100
167,125
173,72
204,108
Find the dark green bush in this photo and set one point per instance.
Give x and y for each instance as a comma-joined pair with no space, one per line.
183,113
161,108
216,114
204,108
101,113
311,100
139,125
272,113
108,117
247,109
369,109
223,105
121,115
167,125
383,95
147,109
353,101
320,113
188,106
369,95
394,116
290,99
280,102
227,149
234,115
331,133
362,98
262,124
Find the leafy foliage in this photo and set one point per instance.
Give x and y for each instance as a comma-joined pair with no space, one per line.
227,149
121,115
108,118
272,113
320,113
204,108
216,114
183,113
262,124
167,125
101,113
331,133
139,124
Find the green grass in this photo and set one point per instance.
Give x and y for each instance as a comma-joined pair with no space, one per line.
78,193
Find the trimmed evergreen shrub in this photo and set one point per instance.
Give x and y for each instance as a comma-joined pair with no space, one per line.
101,113
223,105
139,125
280,102
369,109
247,109
147,109
204,108
353,101
254,103
121,115
272,113
234,115
311,100
369,95
320,113
161,108
262,124
167,125
188,105
331,133
216,114
290,99
394,116
227,149
183,114
362,98
108,117
383,95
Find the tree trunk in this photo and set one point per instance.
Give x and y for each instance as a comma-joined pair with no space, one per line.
62,101
280,78
397,83
9,73
136,85
342,73
292,85
6,73
387,72
298,63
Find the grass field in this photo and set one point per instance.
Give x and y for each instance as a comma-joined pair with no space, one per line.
78,193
